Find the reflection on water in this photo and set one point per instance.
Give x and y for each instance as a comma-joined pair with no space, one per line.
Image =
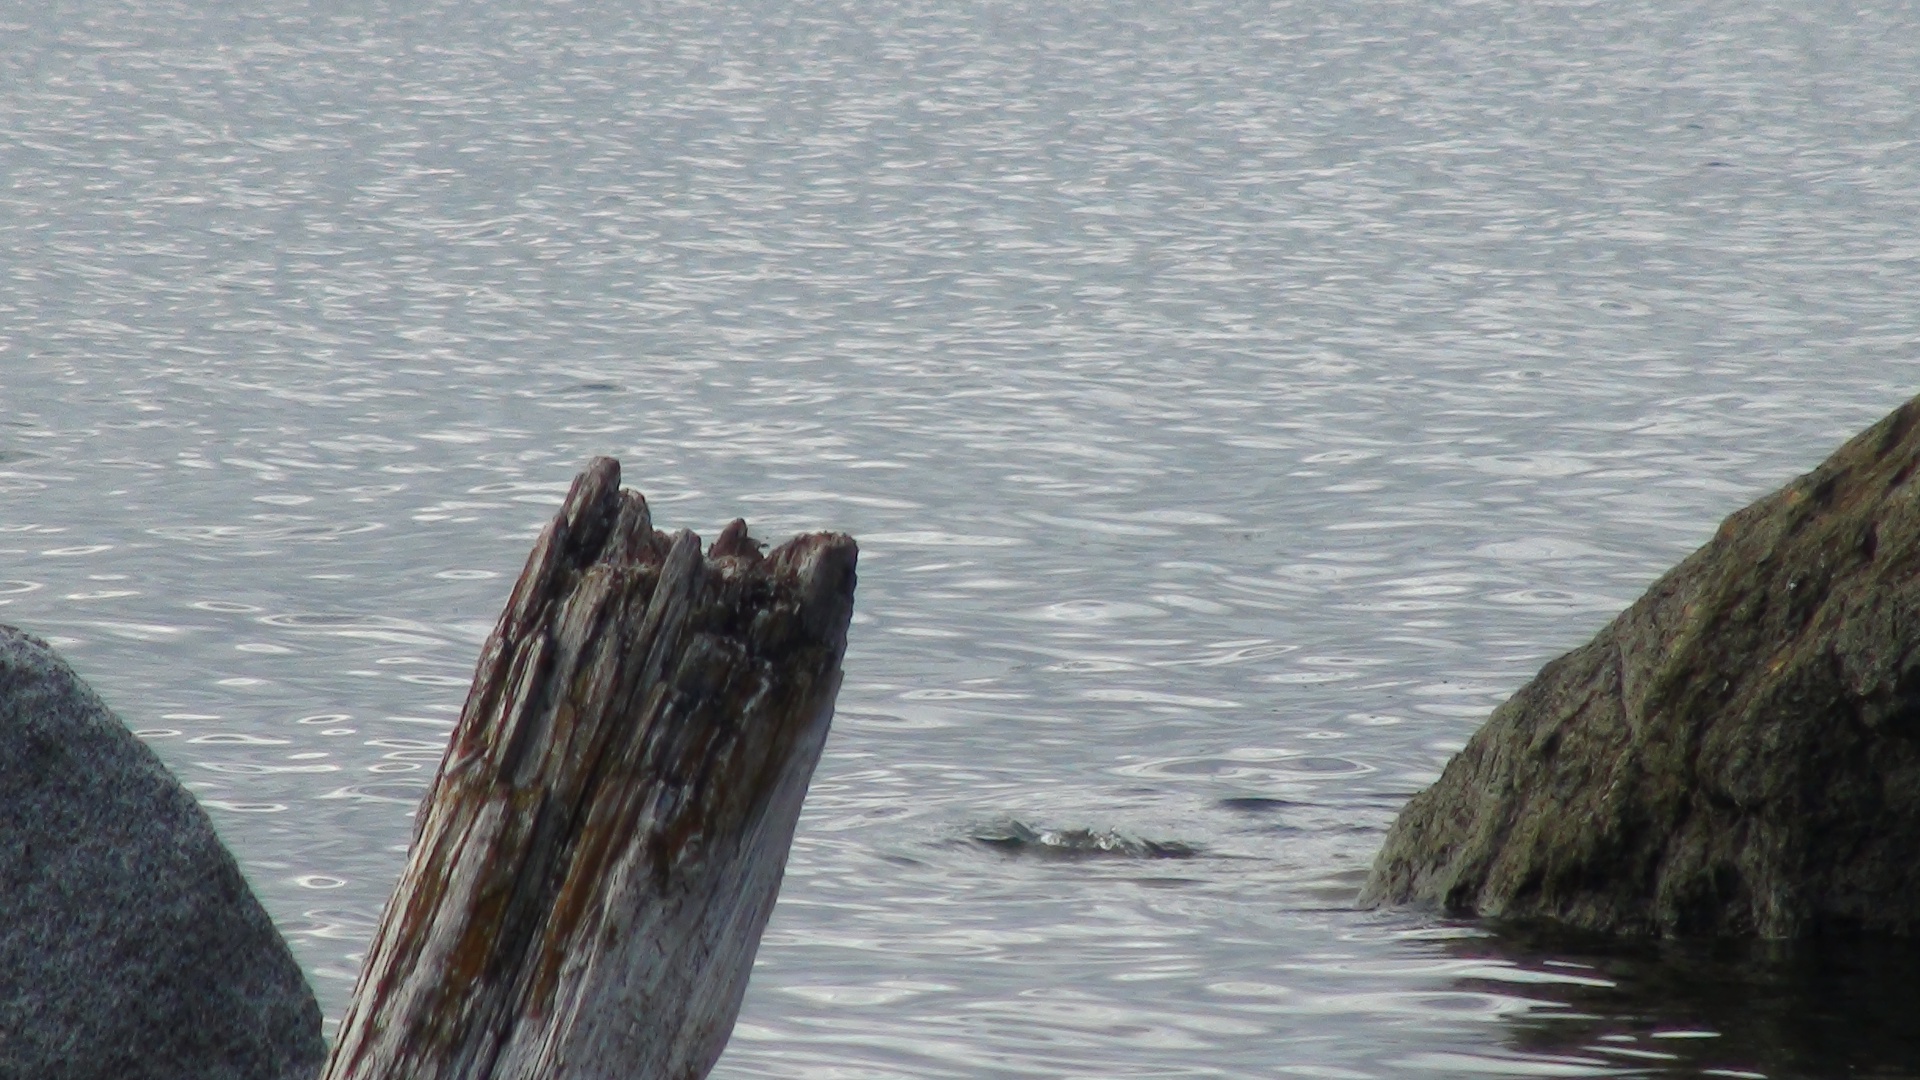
1820,1008
1233,401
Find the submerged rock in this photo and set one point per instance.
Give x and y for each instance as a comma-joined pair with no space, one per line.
1016,837
130,946
1738,753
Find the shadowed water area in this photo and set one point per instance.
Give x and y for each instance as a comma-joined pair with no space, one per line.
1232,401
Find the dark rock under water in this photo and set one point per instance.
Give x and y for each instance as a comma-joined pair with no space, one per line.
1837,1006
130,945
1738,753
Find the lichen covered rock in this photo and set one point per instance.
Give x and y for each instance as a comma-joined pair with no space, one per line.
130,946
1738,753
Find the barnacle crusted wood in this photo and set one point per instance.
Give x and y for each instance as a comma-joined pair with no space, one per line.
594,864
1738,753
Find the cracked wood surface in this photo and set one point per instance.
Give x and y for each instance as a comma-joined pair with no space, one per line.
595,861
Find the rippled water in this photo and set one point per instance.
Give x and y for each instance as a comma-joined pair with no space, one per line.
1233,401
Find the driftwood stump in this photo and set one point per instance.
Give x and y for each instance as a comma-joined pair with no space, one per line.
594,864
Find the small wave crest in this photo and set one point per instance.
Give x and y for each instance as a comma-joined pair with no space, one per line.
1014,837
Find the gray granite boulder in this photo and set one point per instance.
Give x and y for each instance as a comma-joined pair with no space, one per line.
130,946
1738,753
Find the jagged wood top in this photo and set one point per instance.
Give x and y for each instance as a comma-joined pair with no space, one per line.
641,727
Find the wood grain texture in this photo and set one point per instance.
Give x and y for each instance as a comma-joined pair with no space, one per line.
594,864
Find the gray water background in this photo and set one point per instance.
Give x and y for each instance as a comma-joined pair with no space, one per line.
1233,401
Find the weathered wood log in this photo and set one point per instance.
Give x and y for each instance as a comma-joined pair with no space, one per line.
594,864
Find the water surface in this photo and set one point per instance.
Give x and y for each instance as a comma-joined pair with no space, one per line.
1233,402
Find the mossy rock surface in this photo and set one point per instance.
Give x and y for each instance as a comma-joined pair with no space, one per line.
1738,753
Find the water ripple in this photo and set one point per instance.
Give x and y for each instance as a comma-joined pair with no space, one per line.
1233,402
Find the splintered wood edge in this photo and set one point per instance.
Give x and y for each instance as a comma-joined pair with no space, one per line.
598,525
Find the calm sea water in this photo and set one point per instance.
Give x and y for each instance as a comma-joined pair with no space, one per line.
1233,402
